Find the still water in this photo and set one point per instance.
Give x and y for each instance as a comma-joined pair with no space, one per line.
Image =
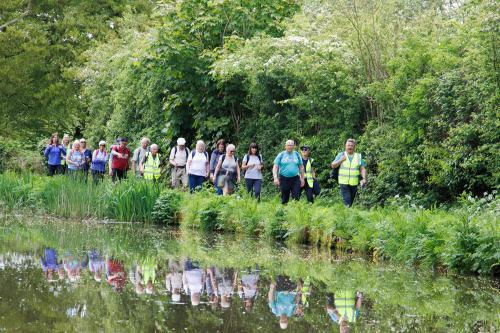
75,277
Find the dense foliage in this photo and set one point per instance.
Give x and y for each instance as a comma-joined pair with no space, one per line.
417,82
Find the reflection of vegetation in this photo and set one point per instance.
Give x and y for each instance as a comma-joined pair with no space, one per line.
458,239
395,296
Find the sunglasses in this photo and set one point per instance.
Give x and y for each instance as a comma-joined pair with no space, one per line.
304,149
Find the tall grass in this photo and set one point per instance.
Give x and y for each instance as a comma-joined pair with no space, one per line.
129,200
456,240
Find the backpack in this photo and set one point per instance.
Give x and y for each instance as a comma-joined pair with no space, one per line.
185,149
248,158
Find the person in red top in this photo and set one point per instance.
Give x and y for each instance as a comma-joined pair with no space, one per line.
121,155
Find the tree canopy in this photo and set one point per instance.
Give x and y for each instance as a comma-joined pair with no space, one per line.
416,82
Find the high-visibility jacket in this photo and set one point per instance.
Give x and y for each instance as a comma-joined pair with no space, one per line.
349,170
309,172
345,303
152,167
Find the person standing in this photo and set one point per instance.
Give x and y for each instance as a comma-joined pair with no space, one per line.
352,167
87,153
54,152
67,146
117,144
121,155
99,161
150,164
178,159
311,186
229,170
288,165
252,164
139,154
214,158
197,166
75,160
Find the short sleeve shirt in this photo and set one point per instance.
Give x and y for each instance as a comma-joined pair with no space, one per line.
229,164
288,163
180,157
339,156
118,162
198,165
252,173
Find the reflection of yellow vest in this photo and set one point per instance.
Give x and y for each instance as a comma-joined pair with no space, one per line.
345,303
349,170
309,172
152,167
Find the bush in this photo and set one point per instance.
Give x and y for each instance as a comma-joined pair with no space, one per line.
166,208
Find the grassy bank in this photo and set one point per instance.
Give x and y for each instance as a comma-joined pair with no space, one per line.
465,240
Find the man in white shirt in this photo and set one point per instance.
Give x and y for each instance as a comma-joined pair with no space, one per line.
178,160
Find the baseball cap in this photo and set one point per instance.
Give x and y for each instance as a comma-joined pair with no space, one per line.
181,141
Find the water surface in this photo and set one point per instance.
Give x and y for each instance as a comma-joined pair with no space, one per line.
65,277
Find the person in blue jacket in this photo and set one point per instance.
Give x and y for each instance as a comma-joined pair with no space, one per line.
54,152
99,161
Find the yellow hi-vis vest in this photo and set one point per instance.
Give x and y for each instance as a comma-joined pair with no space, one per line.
345,303
349,170
309,172
152,167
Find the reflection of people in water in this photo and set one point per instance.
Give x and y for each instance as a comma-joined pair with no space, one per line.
193,279
96,265
148,270
223,284
173,279
284,295
248,286
115,274
72,266
343,307
135,276
50,265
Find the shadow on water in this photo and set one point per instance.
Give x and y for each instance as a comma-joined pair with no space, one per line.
88,277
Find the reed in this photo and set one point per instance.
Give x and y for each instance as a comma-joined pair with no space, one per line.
458,240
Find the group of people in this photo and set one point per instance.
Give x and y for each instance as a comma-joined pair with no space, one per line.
185,280
293,172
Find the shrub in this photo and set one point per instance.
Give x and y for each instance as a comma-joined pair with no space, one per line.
166,208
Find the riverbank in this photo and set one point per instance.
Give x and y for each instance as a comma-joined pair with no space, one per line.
465,240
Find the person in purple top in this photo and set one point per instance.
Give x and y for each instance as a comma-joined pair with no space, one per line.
54,152
49,264
99,161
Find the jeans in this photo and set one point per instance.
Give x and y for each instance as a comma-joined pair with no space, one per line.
195,182
311,192
348,193
254,186
54,170
289,185
218,190
119,174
